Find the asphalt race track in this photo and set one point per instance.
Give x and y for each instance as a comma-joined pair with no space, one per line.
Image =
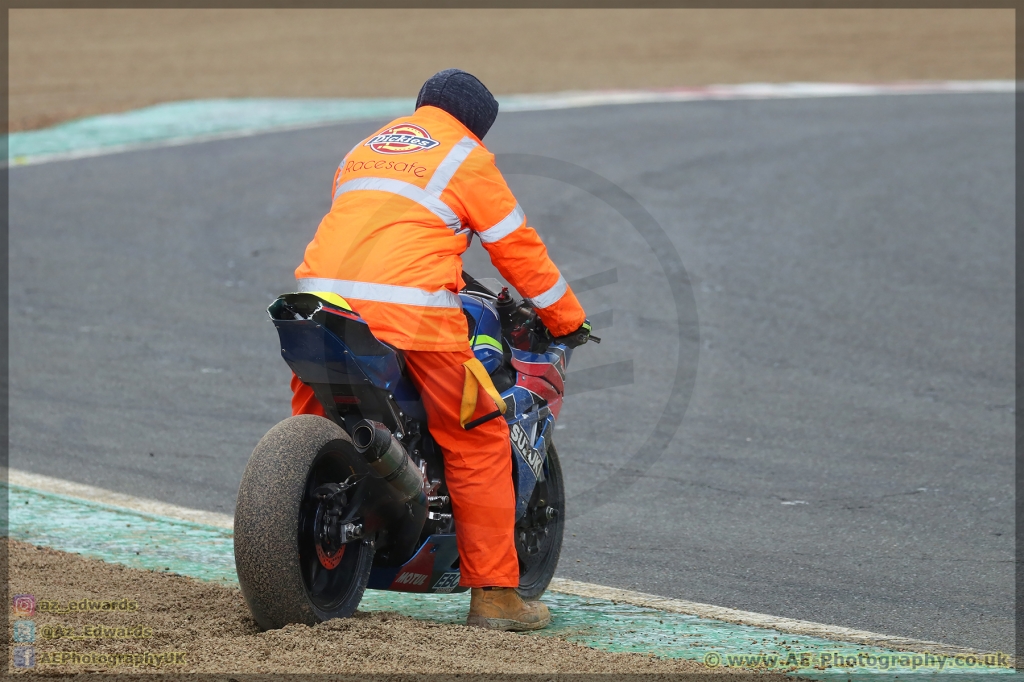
846,453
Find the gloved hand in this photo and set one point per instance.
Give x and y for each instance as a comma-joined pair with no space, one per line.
578,337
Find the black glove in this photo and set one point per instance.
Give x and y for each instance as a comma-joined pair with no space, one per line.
578,337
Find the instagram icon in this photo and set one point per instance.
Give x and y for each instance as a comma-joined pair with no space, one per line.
24,604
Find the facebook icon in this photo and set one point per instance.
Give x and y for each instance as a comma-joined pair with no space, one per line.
24,657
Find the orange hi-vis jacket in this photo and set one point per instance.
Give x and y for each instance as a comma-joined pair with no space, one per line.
407,202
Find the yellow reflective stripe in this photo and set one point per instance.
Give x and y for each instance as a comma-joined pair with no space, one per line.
477,378
332,298
484,340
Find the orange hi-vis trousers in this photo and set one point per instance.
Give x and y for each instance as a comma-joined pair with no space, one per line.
477,465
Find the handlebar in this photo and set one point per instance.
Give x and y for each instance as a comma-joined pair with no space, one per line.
521,324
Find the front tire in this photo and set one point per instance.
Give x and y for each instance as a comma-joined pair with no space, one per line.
281,577
538,534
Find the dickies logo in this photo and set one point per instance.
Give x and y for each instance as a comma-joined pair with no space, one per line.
404,138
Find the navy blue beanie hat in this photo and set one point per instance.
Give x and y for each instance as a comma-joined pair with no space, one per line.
463,96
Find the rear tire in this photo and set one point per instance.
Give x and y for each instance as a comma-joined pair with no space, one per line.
272,550
539,551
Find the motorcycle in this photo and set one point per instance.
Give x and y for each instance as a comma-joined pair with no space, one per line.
328,508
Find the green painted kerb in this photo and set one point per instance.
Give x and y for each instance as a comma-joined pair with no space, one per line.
205,552
194,119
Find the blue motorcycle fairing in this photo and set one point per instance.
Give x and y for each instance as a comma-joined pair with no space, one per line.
315,351
318,356
529,473
517,401
429,570
484,332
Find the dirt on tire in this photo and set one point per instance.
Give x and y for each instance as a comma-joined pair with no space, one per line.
266,540
211,626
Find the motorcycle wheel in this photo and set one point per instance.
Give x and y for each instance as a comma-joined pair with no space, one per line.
281,575
539,532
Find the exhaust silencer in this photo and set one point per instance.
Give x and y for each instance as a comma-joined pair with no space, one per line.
387,457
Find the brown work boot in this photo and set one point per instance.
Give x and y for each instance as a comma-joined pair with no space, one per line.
501,608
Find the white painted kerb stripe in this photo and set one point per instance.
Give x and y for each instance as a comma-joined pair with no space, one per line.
47,484
797,627
750,91
574,100
59,486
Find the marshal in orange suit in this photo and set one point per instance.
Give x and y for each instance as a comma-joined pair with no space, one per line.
407,202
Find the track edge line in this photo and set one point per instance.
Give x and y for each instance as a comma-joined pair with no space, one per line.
575,100
58,486
789,625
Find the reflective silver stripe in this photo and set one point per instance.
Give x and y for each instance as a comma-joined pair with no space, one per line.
551,296
428,201
505,226
445,170
383,293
